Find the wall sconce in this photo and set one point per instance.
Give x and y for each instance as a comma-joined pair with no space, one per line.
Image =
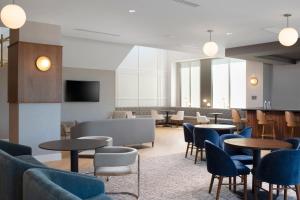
43,63
253,81
204,100
208,104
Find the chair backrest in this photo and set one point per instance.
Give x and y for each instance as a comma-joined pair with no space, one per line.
108,140
202,134
236,117
180,115
11,179
115,156
290,118
15,149
218,162
201,119
188,130
260,116
295,142
129,115
119,114
198,114
280,167
246,132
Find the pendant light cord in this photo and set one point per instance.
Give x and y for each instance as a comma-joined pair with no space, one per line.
287,21
13,1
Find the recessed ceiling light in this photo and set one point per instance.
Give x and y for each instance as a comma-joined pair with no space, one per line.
132,11
229,33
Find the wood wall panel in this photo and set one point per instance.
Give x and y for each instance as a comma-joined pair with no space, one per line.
35,86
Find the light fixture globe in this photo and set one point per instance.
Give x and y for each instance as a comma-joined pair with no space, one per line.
13,16
210,48
43,63
288,36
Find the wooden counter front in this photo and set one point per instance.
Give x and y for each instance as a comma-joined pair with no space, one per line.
278,115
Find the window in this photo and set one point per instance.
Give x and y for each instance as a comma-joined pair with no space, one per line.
190,84
229,83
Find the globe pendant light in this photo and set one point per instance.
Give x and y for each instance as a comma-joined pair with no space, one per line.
13,16
288,36
210,48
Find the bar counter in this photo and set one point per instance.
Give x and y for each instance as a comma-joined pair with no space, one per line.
278,115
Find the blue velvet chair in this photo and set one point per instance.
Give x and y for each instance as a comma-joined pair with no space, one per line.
280,167
11,176
188,130
220,165
246,132
50,184
202,134
242,155
295,142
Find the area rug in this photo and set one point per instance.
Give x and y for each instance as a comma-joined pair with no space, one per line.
174,177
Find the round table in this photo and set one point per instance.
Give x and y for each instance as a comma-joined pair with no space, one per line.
73,145
220,128
257,144
167,115
216,114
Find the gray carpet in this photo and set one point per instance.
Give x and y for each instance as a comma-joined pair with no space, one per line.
174,177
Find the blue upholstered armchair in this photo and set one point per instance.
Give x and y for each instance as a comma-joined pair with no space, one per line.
246,132
50,184
11,176
202,134
220,165
188,130
295,142
280,167
15,149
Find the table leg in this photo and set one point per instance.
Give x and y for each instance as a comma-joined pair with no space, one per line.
74,161
256,159
216,119
167,118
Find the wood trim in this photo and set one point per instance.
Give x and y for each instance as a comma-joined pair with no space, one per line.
14,123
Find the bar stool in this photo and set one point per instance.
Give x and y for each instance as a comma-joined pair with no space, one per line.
237,120
291,122
263,121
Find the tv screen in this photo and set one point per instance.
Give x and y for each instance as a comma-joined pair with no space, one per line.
82,91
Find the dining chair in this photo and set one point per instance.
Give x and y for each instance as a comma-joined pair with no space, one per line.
157,117
237,120
246,132
263,121
188,130
295,142
201,119
202,134
220,165
291,122
179,117
280,167
243,155
117,161
91,153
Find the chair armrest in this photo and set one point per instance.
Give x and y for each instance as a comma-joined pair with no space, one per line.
15,149
82,186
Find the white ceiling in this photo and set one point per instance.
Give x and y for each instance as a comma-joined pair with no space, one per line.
166,23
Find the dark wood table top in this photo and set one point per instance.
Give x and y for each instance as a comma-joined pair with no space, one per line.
73,144
216,126
257,143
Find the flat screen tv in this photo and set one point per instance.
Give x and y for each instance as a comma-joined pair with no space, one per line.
82,91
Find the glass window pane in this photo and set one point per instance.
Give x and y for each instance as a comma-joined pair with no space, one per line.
195,84
238,84
185,84
220,78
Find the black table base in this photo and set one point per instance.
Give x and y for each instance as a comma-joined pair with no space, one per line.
74,161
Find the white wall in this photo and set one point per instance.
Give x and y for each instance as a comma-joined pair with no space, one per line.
90,111
254,69
84,53
285,88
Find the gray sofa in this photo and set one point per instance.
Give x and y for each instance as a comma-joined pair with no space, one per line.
189,113
123,131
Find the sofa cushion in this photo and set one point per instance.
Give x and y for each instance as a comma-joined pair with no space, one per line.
30,159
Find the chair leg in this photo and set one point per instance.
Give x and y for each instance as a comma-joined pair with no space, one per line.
230,184
263,131
192,149
274,137
277,191
285,193
219,188
234,184
201,154
187,149
211,183
255,189
298,191
197,150
245,187
270,191
293,131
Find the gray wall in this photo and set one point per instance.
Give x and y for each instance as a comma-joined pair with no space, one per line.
268,81
4,108
90,111
285,88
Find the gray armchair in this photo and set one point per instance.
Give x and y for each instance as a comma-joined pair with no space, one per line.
50,184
